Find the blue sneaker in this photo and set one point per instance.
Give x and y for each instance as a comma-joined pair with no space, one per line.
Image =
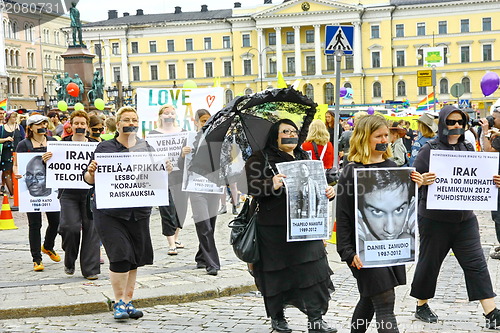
133,312
120,311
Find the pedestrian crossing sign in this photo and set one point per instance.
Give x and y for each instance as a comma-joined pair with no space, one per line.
339,37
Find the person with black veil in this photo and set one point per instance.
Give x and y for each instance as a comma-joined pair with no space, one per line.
288,273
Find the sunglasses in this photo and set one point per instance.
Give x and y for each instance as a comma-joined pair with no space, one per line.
451,122
98,129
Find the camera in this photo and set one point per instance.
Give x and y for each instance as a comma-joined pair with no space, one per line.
490,119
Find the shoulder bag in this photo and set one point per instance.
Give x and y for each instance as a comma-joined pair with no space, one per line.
331,175
243,236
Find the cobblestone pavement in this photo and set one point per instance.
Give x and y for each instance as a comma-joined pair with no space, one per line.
238,313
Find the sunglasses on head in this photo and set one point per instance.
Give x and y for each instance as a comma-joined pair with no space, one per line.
451,122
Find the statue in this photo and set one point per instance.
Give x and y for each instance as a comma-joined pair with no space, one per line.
64,83
81,87
59,87
76,24
97,87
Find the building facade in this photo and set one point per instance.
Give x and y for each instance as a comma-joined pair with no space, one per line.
247,46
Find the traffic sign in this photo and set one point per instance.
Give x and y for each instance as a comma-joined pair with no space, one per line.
424,78
339,37
464,103
457,90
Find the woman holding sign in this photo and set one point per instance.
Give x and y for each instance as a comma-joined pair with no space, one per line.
442,230
36,141
288,273
172,216
124,232
369,148
76,227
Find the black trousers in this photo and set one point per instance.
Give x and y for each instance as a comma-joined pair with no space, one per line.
205,208
436,239
35,238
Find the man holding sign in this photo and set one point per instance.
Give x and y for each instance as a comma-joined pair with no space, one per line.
124,231
455,229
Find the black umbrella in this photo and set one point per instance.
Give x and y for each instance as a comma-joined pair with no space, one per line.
235,128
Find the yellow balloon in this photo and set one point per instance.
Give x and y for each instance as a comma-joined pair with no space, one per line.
79,106
62,106
99,104
189,84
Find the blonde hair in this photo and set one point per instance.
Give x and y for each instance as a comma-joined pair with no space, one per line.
160,112
125,109
359,150
318,133
425,130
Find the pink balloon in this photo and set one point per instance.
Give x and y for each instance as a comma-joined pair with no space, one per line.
490,83
370,110
343,91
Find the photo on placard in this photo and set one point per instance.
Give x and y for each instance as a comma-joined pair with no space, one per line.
386,219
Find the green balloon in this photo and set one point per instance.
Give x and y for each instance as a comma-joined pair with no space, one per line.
99,104
189,84
62,106
79,106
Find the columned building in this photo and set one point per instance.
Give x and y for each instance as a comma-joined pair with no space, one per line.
247,46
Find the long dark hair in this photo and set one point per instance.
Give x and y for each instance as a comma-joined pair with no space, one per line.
272,138
331,113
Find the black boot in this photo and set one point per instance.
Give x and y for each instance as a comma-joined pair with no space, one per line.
318,325
493,319
279,323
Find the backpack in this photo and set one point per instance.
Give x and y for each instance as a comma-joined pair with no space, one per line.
434,144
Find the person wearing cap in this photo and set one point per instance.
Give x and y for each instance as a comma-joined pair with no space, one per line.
427,129
445,230
397,145
36,141
75,226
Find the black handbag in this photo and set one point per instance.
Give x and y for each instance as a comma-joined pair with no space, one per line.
332,176
243,236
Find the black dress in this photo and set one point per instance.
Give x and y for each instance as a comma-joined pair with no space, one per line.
288,273
371,281
9,147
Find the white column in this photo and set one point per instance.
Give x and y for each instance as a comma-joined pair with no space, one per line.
260,57
317,48
358,65
124,75
279,50
298,54
108,77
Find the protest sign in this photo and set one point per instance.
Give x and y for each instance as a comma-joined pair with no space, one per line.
385,201
307,204
185,100
34,195
193,182
69,160
464,180
124,180
169,144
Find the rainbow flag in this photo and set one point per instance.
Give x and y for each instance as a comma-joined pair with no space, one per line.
3,104
427,103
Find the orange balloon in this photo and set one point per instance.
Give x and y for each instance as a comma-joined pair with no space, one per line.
72,89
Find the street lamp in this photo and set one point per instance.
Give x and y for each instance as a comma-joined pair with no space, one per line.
261,52
120,95
45,102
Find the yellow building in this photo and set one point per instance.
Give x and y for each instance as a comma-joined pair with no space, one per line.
33,43
247,46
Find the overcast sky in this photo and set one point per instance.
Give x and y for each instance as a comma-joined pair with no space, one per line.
97,10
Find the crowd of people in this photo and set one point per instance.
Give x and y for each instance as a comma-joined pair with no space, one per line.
288,273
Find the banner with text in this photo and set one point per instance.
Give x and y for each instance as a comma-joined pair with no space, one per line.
34,195
69,160
124,180
169,144
464,180
186,101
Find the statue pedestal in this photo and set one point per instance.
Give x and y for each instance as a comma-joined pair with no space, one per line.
78,60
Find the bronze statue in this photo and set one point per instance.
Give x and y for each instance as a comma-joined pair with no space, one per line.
97,87
59,87
81,87
76,24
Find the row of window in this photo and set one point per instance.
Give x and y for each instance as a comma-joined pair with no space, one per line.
12,58
13,85
11,30
442,28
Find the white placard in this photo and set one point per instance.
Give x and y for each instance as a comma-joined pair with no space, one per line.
464,180
307,207
69,160
193,182
168,144
185,100
34,195
125,180
386,220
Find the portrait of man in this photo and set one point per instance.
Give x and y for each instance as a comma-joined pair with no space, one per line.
35,178
308,201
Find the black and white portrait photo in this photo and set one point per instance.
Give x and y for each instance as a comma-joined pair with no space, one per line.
305,185
35,195
386,227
